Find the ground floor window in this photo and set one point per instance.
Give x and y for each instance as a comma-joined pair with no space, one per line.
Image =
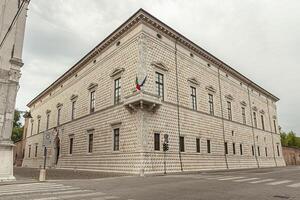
266,151
90,142
156,141
198,145
258,151
36,150
233,148
29,151
278,153
116,139
181,143
252,150
226,147
71,141
241,149
208,146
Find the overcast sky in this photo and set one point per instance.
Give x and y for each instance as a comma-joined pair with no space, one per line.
259,38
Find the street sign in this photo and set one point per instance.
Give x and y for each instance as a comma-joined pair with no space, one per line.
47,139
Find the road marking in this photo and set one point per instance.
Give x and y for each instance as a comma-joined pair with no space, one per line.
75,196
218,177
64,192
231,178
263,181
279,182
37,191
30,188
247,179
294,185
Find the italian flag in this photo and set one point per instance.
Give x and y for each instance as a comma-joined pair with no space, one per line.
138,85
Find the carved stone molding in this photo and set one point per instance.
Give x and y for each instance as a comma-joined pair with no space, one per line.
48,111
254,108
92,86
117,71
262,111
16,61
58,105
193,80
73,97
229,97
211,88
243,103
160,65
14,75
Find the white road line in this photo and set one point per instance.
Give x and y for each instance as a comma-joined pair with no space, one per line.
232,178
263,181
30,188
26,185
64,192
247,179
279,182
77,195
294,185
218,177
36,191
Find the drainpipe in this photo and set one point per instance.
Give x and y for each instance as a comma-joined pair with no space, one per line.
222,115
252,127
178,114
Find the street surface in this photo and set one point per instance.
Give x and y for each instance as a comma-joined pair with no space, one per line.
258,184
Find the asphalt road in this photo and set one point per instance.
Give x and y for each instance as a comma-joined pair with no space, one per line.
258,184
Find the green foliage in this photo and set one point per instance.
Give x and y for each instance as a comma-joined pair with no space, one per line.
17,131
290,139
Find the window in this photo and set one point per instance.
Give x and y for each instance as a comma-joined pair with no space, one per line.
156,141
198,145
254,119
92,101
266,151
275,127
208,146
116,139
229,110
181,144
226,147
258,151
117,91
211,104
47,121
73,110
159,82
252,150
194,98
241,149
233,148
278,153
29,151
71,141
38,125
36,150
58,115
31,130
244,115
262,122
90,142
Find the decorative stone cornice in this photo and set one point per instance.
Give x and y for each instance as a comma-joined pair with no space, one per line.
16,61
211,88
254,108
274,117
262,111
58,105
229,97
160,65
48,111
243,103
92,86
117,71
73,97
193,80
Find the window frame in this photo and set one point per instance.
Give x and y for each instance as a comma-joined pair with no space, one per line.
71,145
241,149
208,146
233,148
38,126
36,151
198,145
262,122
117,90
47,121
73,109
229,110
90,140
255,119
159,84
156,141
244,115
193,97
211,104
226,148
29,151
181,144
116,139
92,101
58,115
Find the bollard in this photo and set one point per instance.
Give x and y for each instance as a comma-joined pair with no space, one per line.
42,177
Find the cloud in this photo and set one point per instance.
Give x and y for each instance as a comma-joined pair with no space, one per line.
259,38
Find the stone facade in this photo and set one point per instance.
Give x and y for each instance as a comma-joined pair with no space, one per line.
12,26
144,48
291,155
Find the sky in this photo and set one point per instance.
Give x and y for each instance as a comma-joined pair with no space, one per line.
259,38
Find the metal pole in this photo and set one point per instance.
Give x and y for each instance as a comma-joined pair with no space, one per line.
165,163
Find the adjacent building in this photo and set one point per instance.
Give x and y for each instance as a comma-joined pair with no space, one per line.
12,27
143,84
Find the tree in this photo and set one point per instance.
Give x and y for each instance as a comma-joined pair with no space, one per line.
289,139
17,132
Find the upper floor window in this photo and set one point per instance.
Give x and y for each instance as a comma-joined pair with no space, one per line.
244,115
159,83
38,125
31,130
211,104
255,119
58,115
73,110
92,101
116,139
47,120
181,143
117,91
156,141
29,151
229,111
194,98
262,122
275,126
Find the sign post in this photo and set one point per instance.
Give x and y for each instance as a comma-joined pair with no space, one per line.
47,140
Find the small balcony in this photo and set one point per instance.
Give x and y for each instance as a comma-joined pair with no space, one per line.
142,100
